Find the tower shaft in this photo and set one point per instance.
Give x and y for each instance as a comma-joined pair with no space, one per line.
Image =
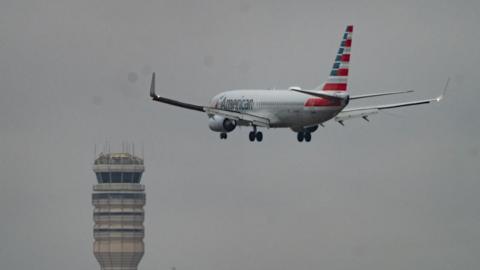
118,199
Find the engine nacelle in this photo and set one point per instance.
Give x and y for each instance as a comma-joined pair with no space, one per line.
221,124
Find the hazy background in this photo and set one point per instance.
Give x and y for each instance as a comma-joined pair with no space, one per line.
400,192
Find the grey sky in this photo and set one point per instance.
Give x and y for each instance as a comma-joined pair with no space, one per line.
400,192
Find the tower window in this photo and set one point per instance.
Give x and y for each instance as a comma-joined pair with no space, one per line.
116,177
136,177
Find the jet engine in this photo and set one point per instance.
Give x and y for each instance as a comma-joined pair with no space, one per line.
221,124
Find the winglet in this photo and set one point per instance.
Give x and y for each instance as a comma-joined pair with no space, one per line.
444,91
152,87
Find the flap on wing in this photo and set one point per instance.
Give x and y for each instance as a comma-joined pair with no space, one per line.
347,115
253,119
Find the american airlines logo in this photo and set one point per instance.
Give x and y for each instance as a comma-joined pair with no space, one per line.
241,104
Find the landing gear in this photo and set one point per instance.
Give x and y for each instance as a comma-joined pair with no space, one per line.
251,136
300,136
255,135
307,136
223,136
259,136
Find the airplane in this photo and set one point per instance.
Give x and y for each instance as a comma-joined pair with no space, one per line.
299,109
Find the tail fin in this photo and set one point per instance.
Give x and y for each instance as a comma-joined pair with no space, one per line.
337,81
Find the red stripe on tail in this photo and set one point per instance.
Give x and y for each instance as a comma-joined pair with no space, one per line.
335,87
348,43
342,72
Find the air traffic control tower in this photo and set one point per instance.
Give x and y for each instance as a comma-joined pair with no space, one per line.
118,199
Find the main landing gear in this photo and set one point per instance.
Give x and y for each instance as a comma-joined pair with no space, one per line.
307,136
305,133
255,135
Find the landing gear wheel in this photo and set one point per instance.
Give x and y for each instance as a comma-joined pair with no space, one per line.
308,136
259,136
223,136
251,136
300,136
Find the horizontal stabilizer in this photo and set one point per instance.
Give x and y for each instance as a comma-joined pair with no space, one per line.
330,96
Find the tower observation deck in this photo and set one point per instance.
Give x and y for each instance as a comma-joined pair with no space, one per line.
118,199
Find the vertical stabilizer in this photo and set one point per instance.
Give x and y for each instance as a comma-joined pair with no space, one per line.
337,81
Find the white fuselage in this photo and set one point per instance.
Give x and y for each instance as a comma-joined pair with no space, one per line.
284,108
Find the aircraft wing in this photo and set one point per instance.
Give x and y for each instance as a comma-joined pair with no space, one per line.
364,112
380,94
179,104
250,118
171,101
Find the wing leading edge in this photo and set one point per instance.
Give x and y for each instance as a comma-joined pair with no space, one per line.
380,94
